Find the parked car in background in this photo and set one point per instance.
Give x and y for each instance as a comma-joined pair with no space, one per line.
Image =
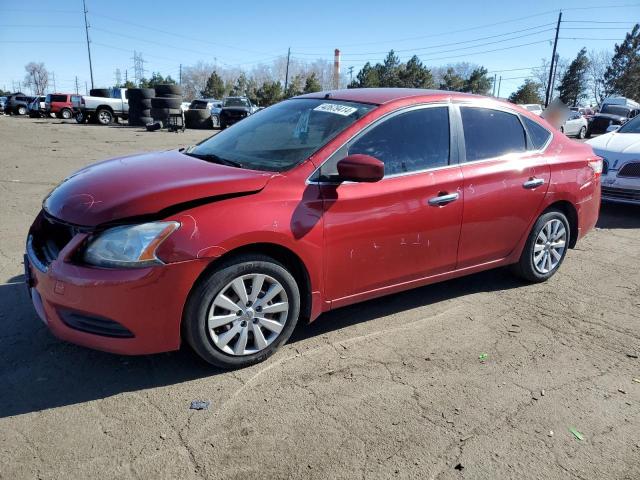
235,109
318,202
102,110
575,126
621,170
215,110
61,104
18,103
533,108
613,111
3,102
37,107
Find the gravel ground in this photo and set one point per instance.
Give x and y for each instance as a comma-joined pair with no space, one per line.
390,388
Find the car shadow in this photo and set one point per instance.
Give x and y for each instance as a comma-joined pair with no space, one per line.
39,372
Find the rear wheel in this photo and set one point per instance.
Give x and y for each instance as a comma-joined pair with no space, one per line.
66,114
582,133
104,116
242,312
546,247
22,110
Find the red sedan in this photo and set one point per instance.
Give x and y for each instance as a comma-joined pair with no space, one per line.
317,202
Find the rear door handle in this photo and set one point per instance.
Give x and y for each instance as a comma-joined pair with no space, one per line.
533,182
443,199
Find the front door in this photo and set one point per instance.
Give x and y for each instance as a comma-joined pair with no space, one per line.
505,181
394,230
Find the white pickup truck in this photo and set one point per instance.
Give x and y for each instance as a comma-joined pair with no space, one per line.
102,110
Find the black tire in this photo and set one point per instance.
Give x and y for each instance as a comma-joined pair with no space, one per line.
145,120
194,320
144,103
153,126
21,110
582,133
66,114
100,92
80,118
588,135
140,93
160,102
163,113
103,116
162,90
525,267
200,119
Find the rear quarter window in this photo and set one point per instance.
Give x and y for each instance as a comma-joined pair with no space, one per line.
58,98
491,133
538,135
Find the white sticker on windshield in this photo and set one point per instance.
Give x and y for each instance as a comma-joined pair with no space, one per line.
335,108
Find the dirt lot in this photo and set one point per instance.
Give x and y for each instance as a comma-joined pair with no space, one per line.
390,388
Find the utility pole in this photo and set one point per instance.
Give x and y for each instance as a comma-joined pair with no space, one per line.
86,30
286,76
553,56
77,89
499,86
86,89
126,76
350,74
180,74
554,65
53,74
495,77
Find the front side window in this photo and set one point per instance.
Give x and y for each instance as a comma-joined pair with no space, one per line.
632,126
281,136
491,133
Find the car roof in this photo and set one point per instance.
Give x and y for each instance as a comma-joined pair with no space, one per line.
381,96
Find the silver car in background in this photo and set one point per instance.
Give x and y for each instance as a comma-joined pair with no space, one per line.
575,126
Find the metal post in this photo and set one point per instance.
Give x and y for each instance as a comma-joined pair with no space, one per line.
180,74
499,86
86,29
77,90
286,76
495,77
547,98
554,65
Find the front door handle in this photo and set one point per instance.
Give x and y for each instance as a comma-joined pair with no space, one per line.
533,182
443,199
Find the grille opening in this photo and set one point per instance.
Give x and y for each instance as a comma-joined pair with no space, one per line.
49,237
630,170
95,325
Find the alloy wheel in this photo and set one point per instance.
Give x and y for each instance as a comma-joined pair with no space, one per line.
550,246
248,314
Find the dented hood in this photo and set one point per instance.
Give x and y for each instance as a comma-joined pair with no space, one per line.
144,185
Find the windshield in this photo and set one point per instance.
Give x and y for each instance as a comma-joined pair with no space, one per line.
632,126
615,110
281,136
236,102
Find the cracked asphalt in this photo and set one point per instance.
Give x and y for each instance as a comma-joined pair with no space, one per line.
392,388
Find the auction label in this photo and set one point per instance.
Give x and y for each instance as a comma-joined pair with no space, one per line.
343,110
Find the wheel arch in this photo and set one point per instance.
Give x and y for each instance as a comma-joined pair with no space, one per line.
569,211
287,257
104,107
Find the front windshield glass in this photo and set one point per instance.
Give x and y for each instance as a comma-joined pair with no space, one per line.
632,126
236,102
615,110
281,136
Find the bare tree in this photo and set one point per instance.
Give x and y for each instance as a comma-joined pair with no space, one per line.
598,63
37,77
194,79
541,76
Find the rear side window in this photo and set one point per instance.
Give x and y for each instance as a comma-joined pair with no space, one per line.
58,98
538,135
491,133
408,142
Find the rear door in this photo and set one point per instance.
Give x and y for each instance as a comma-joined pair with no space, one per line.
506,177
395,230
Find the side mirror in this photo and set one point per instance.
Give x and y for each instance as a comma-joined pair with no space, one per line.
360,168
612,128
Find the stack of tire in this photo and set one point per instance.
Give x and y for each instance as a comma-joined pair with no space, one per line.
140,106
199,118
168,101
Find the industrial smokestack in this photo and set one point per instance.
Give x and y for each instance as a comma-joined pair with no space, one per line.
336,69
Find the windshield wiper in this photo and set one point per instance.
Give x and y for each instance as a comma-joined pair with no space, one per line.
212,157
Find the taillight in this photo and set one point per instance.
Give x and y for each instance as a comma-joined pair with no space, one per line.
596,165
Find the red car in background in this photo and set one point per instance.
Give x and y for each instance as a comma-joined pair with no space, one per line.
320,201
60,105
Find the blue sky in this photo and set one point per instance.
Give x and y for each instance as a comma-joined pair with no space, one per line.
250,32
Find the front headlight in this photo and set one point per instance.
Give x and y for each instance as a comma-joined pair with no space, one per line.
129,246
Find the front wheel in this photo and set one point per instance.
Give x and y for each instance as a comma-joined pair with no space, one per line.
582,133
242,312
81,117
545,249
22,110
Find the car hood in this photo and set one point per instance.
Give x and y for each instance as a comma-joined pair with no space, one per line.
610,116
617,142
145,185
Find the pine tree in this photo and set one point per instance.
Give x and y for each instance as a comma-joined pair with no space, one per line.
312,84
368,77
452,81
415,75
622,77
389,70
295,87
214,87
574,85
269,93
478,82
527,93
